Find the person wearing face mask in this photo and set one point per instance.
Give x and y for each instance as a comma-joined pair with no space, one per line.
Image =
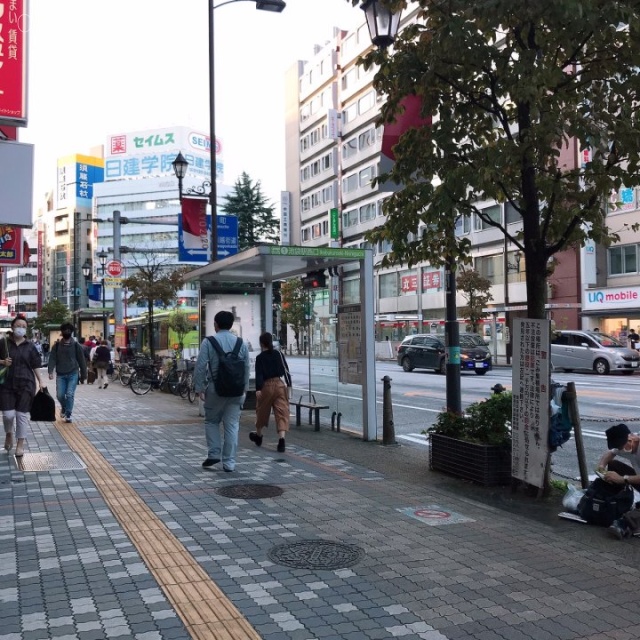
68,361
22,361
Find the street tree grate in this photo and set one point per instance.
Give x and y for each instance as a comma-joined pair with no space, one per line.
58,461
316,554
250,491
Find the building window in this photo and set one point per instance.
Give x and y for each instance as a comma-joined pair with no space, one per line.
366,176
389,285
349,148
366,102
463,225
490,267
327,194
351,291
368,212
350,113
493,213
623,260
350,218
511,214
350,183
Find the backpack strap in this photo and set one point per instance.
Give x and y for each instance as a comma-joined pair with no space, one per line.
216,345
236,348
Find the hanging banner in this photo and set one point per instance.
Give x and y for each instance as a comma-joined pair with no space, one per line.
11,245
193,231
13,62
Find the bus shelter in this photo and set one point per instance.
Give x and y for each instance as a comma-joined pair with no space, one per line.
343,378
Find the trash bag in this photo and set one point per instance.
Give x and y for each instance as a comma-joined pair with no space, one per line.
43,407
572,498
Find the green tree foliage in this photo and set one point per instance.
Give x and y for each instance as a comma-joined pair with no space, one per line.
294,307
53,313
256,220
514,89
179,322
475,290
155,283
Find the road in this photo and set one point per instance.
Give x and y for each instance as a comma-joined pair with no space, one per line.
418,396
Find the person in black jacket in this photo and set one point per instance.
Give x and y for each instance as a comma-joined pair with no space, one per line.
271,391
102,358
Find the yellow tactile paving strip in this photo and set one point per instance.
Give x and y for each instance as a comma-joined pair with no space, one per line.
203,608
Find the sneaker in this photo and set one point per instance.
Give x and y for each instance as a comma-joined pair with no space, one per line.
228,470
106,384
281,446
620,530
68,419
209,462
254,437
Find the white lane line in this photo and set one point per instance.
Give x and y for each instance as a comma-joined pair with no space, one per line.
416,438
617,404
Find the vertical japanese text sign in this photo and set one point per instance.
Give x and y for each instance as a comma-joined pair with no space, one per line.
13,62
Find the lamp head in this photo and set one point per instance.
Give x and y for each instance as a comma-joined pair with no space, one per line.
86,269
102,257
180,166
277,6
382,22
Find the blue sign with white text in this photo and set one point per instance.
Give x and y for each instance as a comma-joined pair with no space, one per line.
227,240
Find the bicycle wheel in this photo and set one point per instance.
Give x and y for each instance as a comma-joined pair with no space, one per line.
183,385
113,375
173,382
192,395
140,384
125,374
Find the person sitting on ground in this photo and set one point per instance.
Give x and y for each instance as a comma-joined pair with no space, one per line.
622,443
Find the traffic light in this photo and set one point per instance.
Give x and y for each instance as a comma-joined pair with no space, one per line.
314,280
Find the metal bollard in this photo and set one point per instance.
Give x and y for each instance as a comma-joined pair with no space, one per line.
388,431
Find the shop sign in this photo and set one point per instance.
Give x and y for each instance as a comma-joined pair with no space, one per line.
611,298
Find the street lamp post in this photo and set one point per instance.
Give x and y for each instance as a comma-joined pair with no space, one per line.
276,6
383,26
63,285
102,257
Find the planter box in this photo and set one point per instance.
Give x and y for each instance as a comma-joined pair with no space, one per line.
486,464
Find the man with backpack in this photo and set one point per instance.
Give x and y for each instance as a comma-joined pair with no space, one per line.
221,378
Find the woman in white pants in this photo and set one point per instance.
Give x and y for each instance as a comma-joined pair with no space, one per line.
22,361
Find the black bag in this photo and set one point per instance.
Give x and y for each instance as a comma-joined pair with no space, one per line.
229,383
43,407
603,502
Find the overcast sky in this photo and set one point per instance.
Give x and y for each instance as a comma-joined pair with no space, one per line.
100,67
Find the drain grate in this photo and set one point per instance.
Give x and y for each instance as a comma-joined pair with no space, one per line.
250,491
59,461
316,554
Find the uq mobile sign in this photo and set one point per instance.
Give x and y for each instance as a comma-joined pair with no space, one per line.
611,298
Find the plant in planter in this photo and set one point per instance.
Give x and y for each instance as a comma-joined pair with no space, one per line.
477,445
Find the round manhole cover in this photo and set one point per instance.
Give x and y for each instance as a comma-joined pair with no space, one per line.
316,554
249,491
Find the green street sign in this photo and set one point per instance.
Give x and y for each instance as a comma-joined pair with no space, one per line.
334,224
317,252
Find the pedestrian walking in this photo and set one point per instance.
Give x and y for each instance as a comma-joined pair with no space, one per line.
273,384
210,376
22,362
68,362
101,360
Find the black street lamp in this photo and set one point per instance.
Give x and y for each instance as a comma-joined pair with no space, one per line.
63,285
180,164
382,22
102,257
383,28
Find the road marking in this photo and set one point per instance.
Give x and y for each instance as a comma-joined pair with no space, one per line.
615,404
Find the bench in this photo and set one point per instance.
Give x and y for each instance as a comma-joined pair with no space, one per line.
314,411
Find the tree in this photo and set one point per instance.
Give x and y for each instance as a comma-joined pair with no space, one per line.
512,89
475,290
294,307
179,322
53,313
256,221
155,283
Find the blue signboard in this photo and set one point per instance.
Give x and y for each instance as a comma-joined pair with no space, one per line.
227,240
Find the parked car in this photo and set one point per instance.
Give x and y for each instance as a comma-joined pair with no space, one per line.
591,351
427,351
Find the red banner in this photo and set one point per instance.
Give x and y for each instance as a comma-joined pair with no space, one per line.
194,223
430,280
13,62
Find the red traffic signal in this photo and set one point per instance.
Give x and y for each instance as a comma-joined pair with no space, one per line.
314,280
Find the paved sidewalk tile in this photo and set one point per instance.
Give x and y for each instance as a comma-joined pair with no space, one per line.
69,568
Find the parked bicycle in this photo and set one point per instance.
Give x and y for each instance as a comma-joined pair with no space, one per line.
154,375
121,372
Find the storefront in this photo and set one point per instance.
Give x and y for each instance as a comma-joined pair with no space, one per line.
612,310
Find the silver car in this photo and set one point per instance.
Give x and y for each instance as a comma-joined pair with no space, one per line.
592,351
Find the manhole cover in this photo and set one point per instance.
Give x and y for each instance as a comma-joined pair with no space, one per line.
59,461
316,554
249,491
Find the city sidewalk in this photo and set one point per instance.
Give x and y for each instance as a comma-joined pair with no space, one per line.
122,534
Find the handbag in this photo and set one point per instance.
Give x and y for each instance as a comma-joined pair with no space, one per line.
603,503
43,406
